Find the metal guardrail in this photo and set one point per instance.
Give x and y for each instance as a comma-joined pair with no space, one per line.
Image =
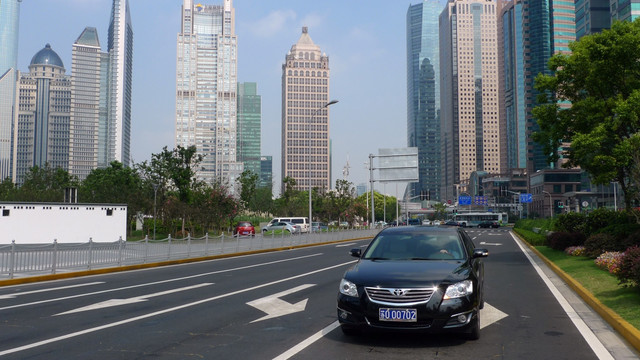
22,260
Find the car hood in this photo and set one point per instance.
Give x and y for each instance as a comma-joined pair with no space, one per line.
407,273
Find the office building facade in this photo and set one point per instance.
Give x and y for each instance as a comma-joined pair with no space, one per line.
206,88
423,95
120,49
88,123
249,122
592,16
43,115
512,83
551,28
625,10
266,172
472,135
9,18
305,115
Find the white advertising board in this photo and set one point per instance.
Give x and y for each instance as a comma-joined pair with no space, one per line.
400,164
39,223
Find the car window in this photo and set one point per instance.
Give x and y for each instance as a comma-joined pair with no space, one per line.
298,221
244,223
416,246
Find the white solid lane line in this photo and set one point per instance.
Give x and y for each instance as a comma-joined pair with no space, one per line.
12,296
306,343
600,351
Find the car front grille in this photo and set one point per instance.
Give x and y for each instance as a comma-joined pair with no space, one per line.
398,296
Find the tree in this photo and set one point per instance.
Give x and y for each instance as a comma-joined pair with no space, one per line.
45,184
115,184
248,181
175,169
7,190
601,81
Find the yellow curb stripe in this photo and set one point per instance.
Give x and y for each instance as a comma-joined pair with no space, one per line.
625,329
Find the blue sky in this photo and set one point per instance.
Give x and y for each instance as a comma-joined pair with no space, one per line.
365,41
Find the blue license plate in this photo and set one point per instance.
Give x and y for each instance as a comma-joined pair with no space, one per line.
399,315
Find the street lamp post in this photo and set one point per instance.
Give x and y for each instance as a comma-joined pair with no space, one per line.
155,193
309,161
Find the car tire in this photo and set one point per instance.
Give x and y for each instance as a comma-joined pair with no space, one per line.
474,330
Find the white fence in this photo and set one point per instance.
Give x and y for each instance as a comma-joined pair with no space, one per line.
20,260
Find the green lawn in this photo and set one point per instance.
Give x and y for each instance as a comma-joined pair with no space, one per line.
625,301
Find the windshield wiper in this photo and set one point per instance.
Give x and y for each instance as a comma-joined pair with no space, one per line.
377,258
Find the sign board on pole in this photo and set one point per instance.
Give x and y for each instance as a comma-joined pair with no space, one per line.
464,200
399,164
526,198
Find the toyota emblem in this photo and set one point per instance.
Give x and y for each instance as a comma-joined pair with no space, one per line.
398,292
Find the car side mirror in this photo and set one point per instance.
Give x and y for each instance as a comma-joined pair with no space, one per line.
356,252
480,253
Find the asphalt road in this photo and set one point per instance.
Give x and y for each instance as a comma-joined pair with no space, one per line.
282,305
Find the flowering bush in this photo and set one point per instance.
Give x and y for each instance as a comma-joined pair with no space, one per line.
629,268
610,261
575,250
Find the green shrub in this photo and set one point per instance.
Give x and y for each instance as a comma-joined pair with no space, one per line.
598,244
562,240
531,237
602,218
629,267
571,222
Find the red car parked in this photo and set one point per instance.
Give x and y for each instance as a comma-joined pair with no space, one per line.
244,228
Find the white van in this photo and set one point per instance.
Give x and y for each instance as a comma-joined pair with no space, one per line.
302,221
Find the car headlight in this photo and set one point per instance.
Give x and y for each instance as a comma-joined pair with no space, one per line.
348,288
457,290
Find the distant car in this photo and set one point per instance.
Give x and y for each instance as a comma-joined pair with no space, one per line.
284,226
436,222
452,223
489,224
244,228
418,278
344,224
319,226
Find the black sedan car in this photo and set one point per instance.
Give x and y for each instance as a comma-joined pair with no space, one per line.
489,224
419,278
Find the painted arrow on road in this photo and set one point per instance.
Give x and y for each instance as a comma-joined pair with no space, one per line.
490,315
133,300
275,307
490,244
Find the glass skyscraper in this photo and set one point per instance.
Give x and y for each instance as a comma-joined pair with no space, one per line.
551,27
120,48
9,17
249,121
206,88
512,79
592,16
88,104
423,95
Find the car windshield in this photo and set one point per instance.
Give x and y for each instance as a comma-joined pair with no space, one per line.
243,224
415,246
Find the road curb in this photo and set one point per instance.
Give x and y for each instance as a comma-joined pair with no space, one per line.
625,329
75,274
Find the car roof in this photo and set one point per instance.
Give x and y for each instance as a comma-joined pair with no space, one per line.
421,229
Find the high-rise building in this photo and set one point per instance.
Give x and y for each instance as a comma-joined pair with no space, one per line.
206,88
88,124
513,73
9,16
266,172
423,94
249,121
43,114
120,49
592,16
470,104
550,27
627,10
305,115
